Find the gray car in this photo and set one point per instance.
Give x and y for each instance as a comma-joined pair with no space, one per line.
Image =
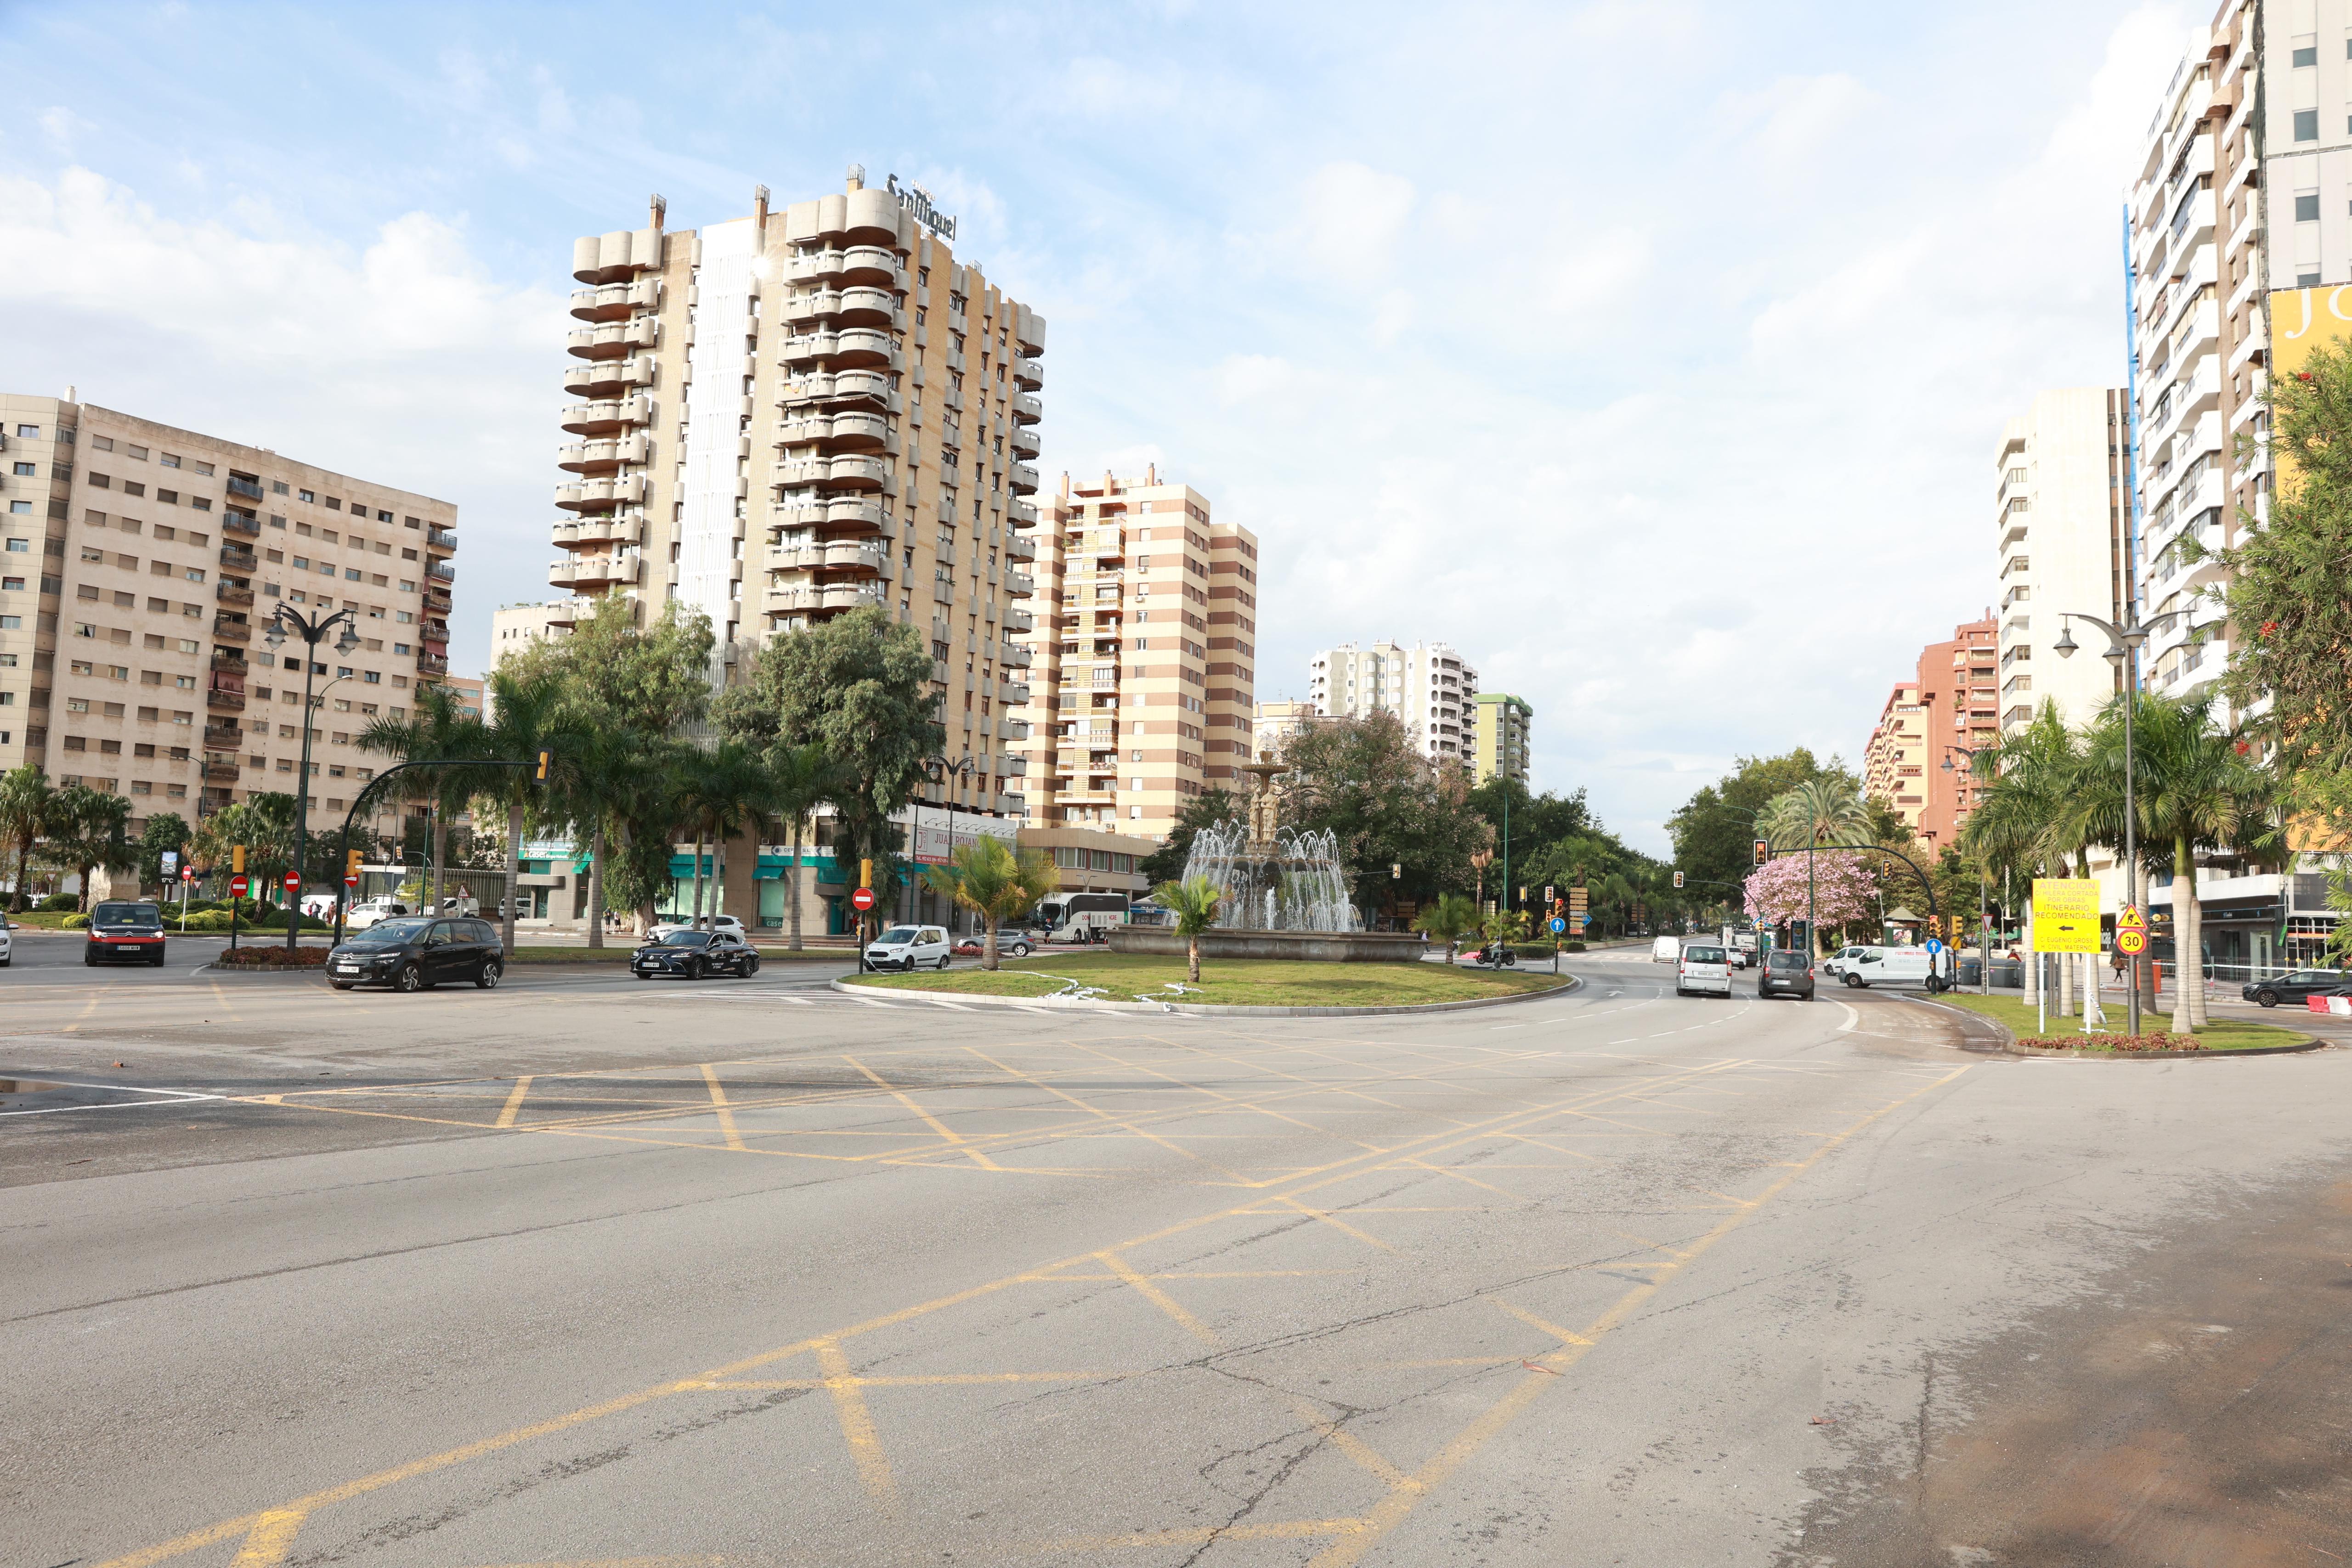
1786,974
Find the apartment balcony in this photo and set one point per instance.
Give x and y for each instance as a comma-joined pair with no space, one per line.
616,301
1013,654
854,472
826,599
595,458
1013,690
236,558
844,432
824,305
239,523
446,539
840,386
435,601
1019,584
230,630
608,417
599,534
1021,478
220,772
248,488
810,350
1021,513
862,264
440,571
1028,374
587,495
601,378
1024,441
616,341
231,659
855,557
593,573
431,664
227,699
229,593
1017,548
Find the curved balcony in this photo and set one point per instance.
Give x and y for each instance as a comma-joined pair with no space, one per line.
1016,547
797,514
1024,514
1024,441
1019,620
844,387
594,571
1027,410
810,348
614,340
607,418
615,301
596,495
615,257
845,432
598,533
863,558
849,513
596,457
822,305
857,473
865,307
872,263
1022,479
600,379
1020,585
1028,374
863,346
1029,332
1013,654
787,602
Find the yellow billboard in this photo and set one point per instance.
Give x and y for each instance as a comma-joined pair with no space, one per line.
2302,319
2065,914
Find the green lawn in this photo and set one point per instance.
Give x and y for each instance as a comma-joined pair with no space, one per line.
2221,1034
1235,982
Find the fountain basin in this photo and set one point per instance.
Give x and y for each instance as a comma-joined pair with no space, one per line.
1318,946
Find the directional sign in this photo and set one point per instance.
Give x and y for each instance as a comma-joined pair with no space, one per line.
2065,914
237,885
862,900
1558,925
2131,941
1934,946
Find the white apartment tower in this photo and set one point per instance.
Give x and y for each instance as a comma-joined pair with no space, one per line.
787,416
1427,686
2060,498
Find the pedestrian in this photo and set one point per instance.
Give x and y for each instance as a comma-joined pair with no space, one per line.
2117,965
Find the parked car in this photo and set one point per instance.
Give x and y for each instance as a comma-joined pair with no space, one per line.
362,915
1703,967
1897,967
1010,944
414,952
121,929
727,923
1665,950
1834,965
1785,974
909,946
7,945
2297,985
692,955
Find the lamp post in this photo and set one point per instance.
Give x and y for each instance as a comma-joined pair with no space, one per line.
312,630
948,776
1984,949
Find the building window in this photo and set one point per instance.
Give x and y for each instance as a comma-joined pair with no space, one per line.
2306,55
2307,125
2306,207
2306,280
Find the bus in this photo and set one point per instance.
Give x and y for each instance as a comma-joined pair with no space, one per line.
1077,917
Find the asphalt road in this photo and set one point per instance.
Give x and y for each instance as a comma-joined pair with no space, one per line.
584,1270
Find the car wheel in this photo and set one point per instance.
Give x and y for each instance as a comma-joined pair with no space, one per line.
644,974
157,961
410,978
2265,999
1021,949
751,966
89,959
694,970
488,979
943,960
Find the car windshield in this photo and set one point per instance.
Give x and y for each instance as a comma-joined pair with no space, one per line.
390,932
1703,954
1788,960
898,934
687,939
126,915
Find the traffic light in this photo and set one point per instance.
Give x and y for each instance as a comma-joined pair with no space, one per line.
1678,879
546,758
237,857
352,864
1763,851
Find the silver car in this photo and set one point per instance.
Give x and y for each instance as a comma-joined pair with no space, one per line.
909,948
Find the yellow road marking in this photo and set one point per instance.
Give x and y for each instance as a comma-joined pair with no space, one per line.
719,1103
1457,1176
943,1379
1157,1297
941,1128
856,1423
514,1102
1325,1215
1525,1316
1288,1530
271,1537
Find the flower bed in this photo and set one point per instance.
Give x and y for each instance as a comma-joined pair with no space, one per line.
2161,1039
274,958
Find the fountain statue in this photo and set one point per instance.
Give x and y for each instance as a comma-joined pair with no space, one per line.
1271,878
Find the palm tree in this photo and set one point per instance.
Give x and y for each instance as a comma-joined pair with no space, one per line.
1446,917
2194,789
27,805
1195,901
528,716
86,831
437,729
719,790
995,882
803,777
2037,814
1829,809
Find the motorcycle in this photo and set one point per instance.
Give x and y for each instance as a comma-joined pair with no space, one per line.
1497,955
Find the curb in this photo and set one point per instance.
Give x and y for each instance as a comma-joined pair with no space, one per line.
2011,1048
1207,1009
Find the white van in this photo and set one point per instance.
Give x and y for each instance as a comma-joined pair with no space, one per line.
1836,962
1666,950
1895,966
1705,969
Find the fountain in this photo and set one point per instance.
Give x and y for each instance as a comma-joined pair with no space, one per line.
1285,894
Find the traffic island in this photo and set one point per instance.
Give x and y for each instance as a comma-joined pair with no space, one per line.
2031,1035
1152,983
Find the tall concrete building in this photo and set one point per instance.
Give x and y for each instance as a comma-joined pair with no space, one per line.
515,627
1945,713
789,416
1500,726
1144,696
1894,763
2062,500
138,565
1427,686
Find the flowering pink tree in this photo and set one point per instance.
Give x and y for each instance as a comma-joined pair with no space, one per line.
1843,889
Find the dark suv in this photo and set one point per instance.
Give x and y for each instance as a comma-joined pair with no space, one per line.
121,930
2301,984
1786,974
414,952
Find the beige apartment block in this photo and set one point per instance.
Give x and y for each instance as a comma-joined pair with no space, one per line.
1501,736
1144,700
1894,763
138,565
1092,859
782,417
515,627
2061,496
1276,723
1427,686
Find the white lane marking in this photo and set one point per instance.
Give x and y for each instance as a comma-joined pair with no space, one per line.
168,1097
939,1002
1852,1018
1507,1026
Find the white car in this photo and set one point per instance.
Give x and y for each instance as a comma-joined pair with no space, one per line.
1836,962
726,923
362,915
1702,968
1665,950
909,947
6,945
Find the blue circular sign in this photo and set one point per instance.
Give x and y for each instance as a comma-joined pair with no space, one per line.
1558,925
1935,945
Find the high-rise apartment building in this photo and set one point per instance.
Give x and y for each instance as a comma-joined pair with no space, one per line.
790,415
1273,723
1427,687
1142,697
1500,723
139,566
2062,500
1894,763
515,627
1944,714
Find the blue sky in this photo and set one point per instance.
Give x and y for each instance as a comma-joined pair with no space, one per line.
1651,353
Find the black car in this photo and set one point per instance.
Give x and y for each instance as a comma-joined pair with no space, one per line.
691,954
123,931
1786,974
2296,987
414,952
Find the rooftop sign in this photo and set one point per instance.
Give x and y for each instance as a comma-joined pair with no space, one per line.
918,201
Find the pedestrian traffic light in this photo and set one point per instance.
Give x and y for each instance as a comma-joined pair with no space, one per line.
1763,851
237,857
1678,879
546,757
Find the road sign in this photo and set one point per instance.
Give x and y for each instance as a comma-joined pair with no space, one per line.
862,900
1558,925
2131,917
237,885
187,873
352,879
2065,914
2131,941
293,881
1582,921
1933,947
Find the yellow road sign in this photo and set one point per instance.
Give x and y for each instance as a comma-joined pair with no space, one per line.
2065,914
2131,941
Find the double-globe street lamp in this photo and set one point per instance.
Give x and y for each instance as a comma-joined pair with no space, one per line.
312,630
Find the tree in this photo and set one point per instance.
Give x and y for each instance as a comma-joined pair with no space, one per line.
996,884
803,778
859,685
1446,917
164,832
1713,830
529,714
437,730
1828,809
719,790
26,807
2038,811
1535,820
653,680
1195,903
86,831
1362,780
1205,810
1839,886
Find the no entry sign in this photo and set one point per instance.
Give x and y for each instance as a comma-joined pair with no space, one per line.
237,885
862,900
293,881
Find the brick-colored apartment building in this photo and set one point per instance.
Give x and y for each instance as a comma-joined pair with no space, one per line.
1948,710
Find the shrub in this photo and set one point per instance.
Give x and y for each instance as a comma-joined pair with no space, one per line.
1571,947
58,903
274,957
74,922
2155,1039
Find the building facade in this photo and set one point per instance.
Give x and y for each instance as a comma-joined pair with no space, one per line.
1146,677
790,415
515,627
1273,723
1428,686
139,564
1500,725
1893,764
2061,534
1920,754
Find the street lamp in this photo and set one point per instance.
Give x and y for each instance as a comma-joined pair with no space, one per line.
948,776
312,630
1984,946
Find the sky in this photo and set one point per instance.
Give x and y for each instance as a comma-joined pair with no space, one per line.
1653,353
